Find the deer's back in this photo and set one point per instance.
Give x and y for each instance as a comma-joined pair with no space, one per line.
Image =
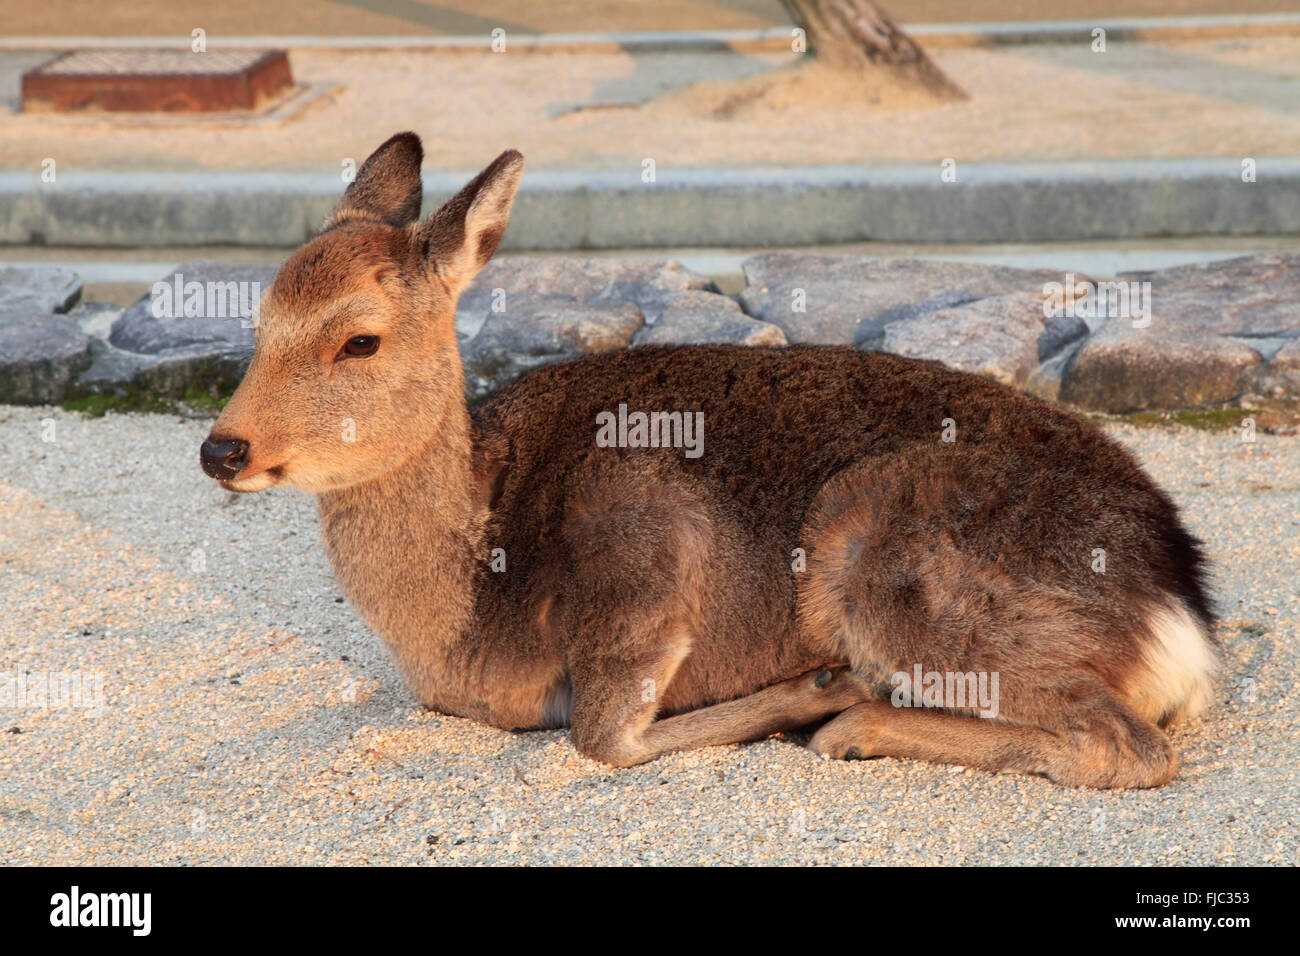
1036,491
777,423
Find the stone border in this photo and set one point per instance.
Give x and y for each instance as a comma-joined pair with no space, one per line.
566,210
1203,335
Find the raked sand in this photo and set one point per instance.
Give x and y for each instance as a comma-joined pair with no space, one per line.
249,717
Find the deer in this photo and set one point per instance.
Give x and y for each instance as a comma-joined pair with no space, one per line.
855,520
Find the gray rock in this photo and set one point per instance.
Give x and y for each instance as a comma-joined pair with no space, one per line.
1250,295
1266,347
38,288
40,354
212,314
650,299
177,375
1059,332
1280,376
96,318
536,330
695,317
998,337
477,305
200,336
849,300
1045,381
110,369
1163,366
647,283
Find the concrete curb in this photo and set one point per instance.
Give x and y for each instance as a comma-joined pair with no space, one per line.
775,39
563,210
1118,30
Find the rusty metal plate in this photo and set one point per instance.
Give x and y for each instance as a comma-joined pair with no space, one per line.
174,81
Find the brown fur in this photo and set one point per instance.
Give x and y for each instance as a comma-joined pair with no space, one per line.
649,599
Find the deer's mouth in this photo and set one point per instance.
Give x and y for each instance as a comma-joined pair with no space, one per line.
257,481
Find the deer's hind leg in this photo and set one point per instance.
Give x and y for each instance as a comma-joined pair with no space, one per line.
1105,746
621,735
904,585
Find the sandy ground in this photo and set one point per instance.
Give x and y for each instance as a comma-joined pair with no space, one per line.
249,717
417,17
1230,98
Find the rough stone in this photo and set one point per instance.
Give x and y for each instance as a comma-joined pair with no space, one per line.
1163,366
202,339
697,317
1059,333
110,368
1218,331
1248,296
40,354
1045,381
38,289
96,318
180,375
997,337
210,317
650,284
849,300
535,330
1280,376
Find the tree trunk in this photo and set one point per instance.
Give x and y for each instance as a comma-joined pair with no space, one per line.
855,34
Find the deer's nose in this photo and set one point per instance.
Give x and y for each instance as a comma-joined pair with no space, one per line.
223,457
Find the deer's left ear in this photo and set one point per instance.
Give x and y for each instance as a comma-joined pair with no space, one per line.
463,234
387,187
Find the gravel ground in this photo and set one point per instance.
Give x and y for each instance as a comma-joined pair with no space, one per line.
249,718
612,111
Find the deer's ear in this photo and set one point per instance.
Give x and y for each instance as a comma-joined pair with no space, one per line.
387,187
461,236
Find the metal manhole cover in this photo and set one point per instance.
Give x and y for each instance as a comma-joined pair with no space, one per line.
157,80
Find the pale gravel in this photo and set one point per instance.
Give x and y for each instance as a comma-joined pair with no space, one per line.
612,111
252,719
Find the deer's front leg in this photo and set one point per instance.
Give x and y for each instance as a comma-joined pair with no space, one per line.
628,647
642,553
785,706
623,736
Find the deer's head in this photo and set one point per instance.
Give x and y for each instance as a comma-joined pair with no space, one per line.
355,365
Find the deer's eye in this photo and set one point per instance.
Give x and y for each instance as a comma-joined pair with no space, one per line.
359,346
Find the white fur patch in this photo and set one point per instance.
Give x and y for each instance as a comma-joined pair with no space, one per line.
1179,664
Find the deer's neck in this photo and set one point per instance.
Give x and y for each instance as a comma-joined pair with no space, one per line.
406,549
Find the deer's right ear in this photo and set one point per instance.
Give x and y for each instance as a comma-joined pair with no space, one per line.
387,186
